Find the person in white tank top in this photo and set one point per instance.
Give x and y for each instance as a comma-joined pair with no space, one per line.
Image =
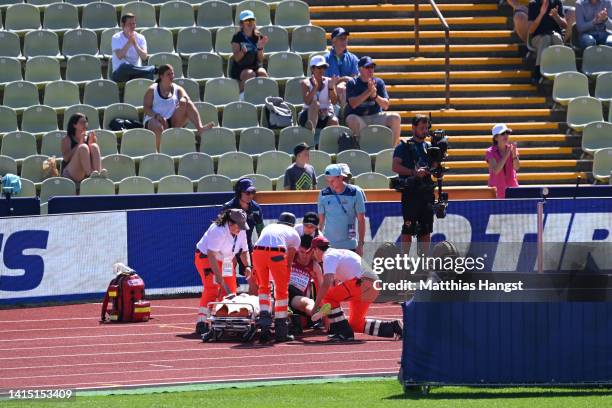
167,105
320,96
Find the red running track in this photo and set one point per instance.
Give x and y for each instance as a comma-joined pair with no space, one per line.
66,347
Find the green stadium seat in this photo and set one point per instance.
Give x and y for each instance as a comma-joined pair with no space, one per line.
177,142
99,16
61,94
191,87
18,145
101,93
262,183
87,110
119,110
602,164
10,70
8,119
9,44
256,140
61,17
52,143
192,40
7,165
56,186
278,38
328,140
235,164
280,184
215,14
596,136
196,165
97,186
20,94
372,180
261,10
293,91
292,136
83,68
173,184
603,87
223,41
176,14
358,160
41,2
138,142
22,17
204,66
106,39
159,39
596,60
39,119
285,65
154,166
320,160
306,40
136,185
569,85
42,69
273,164
218,140
292,13
374,138
583,110
383,163
32,168
208,113
214,183
119,166
162,58
135,90
240,115
257,89
557,59
321,181
143,11
107,141
221,91
28,188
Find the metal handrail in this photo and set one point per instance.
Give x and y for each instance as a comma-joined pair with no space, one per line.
417,29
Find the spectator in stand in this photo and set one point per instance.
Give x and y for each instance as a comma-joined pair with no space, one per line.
546,23
129,50
167,105
520,18
319,93
340,62
503,160
593,19
248,51
367,101
80,152
301,175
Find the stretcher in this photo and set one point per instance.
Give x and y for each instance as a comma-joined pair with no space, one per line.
236,317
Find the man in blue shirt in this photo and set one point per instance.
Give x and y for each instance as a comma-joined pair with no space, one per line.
340,205
367,100
593,19
341,62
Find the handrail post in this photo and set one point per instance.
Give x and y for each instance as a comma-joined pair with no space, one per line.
447,66
416,27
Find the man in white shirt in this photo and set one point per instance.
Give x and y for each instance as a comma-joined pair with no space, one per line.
273,254
346,280
129,50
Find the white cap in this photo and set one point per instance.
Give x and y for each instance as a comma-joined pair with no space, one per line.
499,129
318,61
346,170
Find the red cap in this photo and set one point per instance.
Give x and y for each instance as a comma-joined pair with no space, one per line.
320,242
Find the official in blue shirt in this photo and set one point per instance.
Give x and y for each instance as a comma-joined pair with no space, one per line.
340,206
367,100
341,63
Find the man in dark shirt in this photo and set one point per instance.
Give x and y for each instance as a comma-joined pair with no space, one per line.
367,100
546,22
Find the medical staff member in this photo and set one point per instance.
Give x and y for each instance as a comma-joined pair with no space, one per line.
340,206
225,238
273,254
346,280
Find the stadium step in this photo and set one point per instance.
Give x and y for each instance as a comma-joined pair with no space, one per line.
481,178
397,8
374,50
484,102
479,128
438,76
483,22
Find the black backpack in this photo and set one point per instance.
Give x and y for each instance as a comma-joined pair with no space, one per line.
119,124
347,142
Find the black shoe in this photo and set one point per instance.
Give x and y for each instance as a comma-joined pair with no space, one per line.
265,335
339,338
398,330
201,328
283,339
536,75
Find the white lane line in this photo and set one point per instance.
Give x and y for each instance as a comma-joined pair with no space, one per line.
65,319
161,365
72,346
98,326
95,336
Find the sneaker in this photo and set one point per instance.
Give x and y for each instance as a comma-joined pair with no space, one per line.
104,173
339,338
318,325
94,174
322,312
398,330
201,328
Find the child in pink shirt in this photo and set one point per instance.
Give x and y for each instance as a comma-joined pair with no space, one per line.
503,160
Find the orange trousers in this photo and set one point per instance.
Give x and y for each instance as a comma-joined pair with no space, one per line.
359,294
268,262
212,292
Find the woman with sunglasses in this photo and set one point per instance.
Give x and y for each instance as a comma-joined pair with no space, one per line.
80,151
503,160
320,96
247,50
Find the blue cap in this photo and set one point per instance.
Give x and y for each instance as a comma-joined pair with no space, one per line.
333,170
245,184
338,31
246,15
365,62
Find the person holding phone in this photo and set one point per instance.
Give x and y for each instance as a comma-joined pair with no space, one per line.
503,160
247,50
80,151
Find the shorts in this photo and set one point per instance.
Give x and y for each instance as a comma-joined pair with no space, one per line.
417,208
169,120
379,118
321,122
236,70
295,292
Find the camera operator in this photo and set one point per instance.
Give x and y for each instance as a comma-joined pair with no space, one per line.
412,164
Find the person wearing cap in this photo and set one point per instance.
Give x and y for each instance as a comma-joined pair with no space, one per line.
244,192
546,21
368,100
347,279
225,238
273,254
340,206
309,225
247,50
300,175
503,160
340,62
411,163
319,93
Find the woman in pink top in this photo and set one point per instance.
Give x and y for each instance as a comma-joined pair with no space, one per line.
503,160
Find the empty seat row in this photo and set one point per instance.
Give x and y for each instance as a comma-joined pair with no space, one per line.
570,85
584,110
559,58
